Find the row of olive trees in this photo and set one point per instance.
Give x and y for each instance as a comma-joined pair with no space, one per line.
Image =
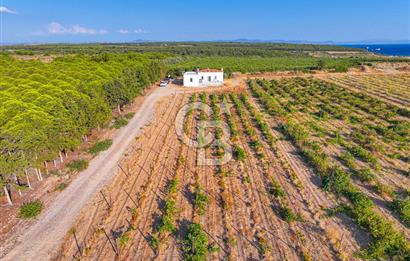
47,109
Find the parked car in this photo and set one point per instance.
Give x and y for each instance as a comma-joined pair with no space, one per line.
163,84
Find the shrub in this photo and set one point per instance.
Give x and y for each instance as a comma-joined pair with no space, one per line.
100,146
167,224
402,207
331,212
318,129
307,257
61,186
239,152
359,200
120,122
275,189
167,220
31,209
384,189
295,132
355,119
201,200
263,247
202,97
319,161
336,180
129,115
212,248
124,238
218,133
154,242
173,184
365,174
363,154
247,179
195,245
341,68
288,215
232,127
78,165
219,152
348,159
255,143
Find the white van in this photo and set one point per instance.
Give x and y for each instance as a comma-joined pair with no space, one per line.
163,84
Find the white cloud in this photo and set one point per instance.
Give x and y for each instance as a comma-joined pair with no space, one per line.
141,31
137,31
123,31
4,9
57,28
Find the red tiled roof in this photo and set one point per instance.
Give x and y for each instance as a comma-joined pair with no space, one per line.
211,70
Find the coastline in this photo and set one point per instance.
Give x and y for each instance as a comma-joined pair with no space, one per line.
388,50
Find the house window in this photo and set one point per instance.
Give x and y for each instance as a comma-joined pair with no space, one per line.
209,78
191,80
215,78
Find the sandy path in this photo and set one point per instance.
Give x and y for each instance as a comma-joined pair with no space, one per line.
39,241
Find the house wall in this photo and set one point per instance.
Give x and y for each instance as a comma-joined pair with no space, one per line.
201,79
195,80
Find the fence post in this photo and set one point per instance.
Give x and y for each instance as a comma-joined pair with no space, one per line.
105,199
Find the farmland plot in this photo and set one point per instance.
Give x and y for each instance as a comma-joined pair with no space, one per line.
355,145
160,196
316,172
390,88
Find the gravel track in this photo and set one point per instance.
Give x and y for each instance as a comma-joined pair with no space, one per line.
41,240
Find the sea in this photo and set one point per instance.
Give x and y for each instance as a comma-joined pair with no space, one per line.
386,49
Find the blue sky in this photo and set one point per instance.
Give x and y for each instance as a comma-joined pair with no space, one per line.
126,20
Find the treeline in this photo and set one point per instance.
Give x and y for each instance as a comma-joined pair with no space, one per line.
46,109
253,64
183,48
232,56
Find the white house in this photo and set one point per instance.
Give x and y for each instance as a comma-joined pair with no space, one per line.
204,78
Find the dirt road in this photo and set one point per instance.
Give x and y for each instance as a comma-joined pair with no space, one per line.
40,240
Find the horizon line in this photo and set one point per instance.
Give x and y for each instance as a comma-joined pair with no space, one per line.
238,40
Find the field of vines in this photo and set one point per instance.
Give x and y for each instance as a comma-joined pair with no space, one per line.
393,89
318,173
358,147
254,64
264,64
164,206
